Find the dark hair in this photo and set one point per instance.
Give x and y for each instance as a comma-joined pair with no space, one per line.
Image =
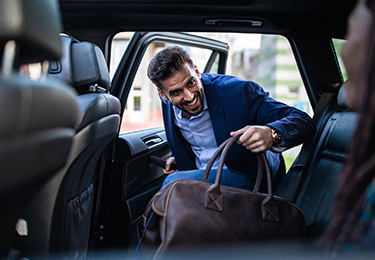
359,169
166,63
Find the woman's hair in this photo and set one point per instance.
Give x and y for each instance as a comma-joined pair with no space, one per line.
166,63
359,169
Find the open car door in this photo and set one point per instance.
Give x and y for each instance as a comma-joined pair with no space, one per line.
133,178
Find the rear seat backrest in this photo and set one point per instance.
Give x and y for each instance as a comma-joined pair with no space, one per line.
62,223
320,182
36,117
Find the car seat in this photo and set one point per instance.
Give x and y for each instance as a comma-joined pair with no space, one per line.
327,153
37,117
59,218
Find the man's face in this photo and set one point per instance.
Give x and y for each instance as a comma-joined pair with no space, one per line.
184,90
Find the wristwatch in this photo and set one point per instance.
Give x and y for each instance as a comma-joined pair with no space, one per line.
276,136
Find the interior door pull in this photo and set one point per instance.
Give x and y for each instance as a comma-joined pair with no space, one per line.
149,141
161,162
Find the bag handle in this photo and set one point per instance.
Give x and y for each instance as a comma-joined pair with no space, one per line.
213,158
214,196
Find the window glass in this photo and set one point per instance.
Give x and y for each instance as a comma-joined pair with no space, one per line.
337,44
143,108
265,59
215,65
32,71
119,44
275,69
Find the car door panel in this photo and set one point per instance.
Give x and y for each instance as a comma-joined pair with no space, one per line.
135,150
141,178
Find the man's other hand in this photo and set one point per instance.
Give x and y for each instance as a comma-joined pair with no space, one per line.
168,164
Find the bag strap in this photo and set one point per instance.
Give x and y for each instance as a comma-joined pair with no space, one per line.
213,158
270,211
214,196
258,181
216,154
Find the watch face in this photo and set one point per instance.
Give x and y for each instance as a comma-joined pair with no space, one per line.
277,137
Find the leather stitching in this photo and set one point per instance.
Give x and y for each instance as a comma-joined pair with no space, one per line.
272,214
214,202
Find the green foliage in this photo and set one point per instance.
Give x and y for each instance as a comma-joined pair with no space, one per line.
288,161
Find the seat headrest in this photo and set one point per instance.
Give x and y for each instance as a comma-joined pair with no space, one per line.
341,97
34,25
82,65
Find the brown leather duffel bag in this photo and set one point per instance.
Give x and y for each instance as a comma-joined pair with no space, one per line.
196,214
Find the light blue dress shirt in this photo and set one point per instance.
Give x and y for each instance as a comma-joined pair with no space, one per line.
199,133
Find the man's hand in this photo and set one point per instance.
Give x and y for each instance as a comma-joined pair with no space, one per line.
168,163
255,138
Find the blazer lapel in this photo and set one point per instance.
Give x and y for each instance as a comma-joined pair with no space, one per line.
217,112
185,158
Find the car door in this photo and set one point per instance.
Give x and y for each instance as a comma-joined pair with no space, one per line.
134,179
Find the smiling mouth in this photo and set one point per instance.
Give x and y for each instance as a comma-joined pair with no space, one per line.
192,103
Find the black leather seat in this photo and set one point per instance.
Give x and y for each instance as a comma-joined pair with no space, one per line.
61,225
320,183
327,156
37,118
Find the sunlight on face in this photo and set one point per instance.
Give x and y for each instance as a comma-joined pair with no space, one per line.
354,50
184,90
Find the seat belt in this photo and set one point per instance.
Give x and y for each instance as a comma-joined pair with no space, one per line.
293,178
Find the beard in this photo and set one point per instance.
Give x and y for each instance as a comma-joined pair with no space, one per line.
194,107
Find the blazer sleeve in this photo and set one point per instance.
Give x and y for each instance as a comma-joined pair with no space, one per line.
293,124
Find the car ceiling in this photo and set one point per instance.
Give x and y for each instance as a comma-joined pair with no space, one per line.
327,17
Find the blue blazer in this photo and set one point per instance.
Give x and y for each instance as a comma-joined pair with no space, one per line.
234,103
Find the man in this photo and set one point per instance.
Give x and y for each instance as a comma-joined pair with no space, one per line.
201,111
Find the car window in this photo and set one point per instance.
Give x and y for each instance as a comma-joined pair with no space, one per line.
32,71
143,107
275,69
337,44
119,44
265,59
